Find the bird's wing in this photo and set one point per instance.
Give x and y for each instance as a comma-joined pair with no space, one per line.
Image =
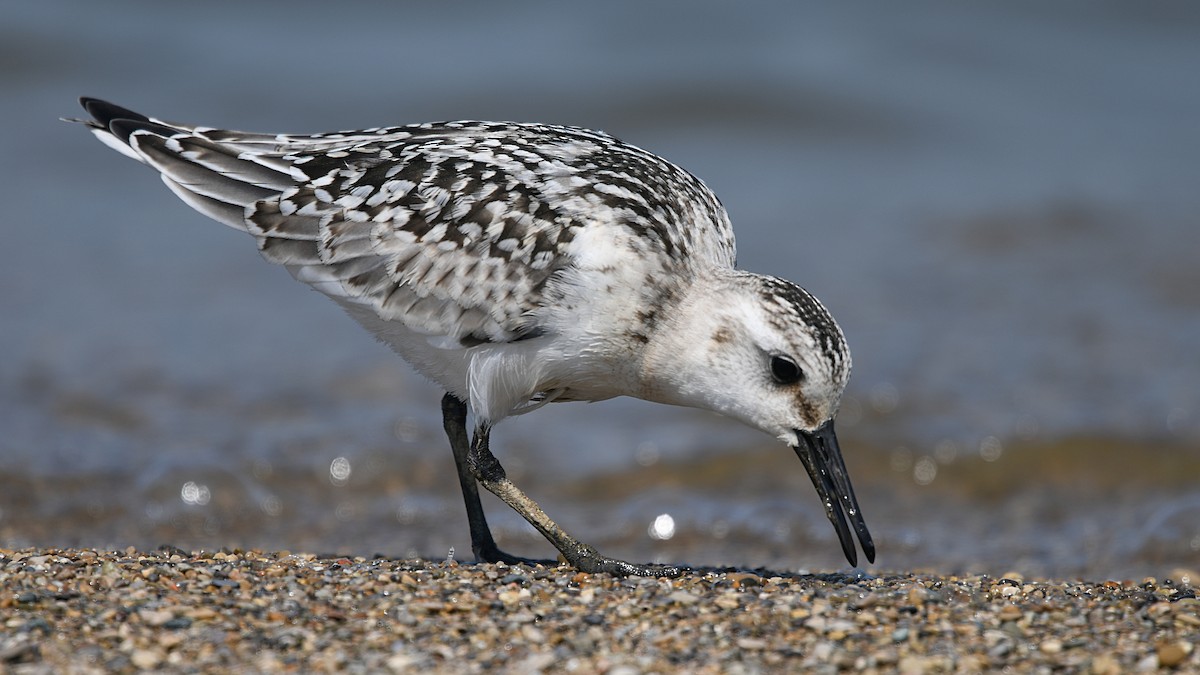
452,229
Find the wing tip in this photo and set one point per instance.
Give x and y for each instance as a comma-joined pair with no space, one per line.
104,112
118,121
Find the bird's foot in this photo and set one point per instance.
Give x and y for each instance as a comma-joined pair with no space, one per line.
493,554
586,559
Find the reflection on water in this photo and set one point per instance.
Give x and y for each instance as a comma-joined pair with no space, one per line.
996,201
662,528
196,495
339,471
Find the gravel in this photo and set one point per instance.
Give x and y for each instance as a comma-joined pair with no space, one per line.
205,611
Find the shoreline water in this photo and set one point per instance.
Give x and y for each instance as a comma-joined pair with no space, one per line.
1043,509
83,610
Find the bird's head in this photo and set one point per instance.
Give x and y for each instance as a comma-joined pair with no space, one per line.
763,350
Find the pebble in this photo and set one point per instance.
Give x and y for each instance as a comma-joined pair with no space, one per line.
1051,646
1009,613
155,617
1171,654
145,659
1105,664
727,601
684,598
254,611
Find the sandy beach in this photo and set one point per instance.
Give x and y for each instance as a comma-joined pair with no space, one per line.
251,611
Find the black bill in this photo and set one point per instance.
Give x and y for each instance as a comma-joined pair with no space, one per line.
823,459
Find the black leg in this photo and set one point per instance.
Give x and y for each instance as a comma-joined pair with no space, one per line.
486,468
454,419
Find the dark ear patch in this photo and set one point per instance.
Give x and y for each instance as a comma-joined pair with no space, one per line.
808,412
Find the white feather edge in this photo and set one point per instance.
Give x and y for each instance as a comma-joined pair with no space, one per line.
113,142
204,204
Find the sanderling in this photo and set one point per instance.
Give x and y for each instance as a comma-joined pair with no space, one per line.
519,264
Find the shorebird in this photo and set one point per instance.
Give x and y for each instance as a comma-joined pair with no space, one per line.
519,264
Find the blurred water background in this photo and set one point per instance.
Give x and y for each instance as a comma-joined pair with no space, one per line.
998,201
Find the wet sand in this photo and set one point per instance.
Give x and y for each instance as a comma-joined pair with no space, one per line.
83,610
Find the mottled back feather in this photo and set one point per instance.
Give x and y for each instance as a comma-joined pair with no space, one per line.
452,229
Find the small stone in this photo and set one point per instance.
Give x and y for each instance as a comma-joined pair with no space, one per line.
145,659
155,617
170,640
1009,591
887,657
1009,613
683,598
917,595
972,663
523,617
18,651
1051,646
751,643
533,634
535,663
1159,608
743,580
1171,654
915,665
728,601
403,662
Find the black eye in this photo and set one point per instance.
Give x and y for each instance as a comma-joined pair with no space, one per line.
785,370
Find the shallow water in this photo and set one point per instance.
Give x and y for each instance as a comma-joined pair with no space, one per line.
996,202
